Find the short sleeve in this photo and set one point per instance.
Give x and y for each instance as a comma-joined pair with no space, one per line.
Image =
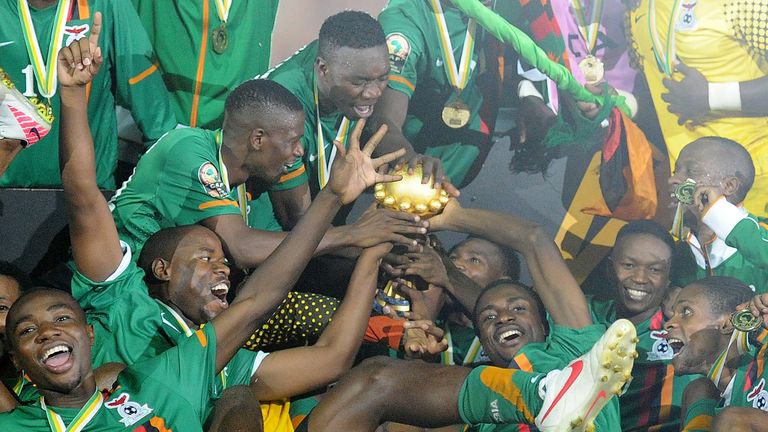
125,280
192,188
405,42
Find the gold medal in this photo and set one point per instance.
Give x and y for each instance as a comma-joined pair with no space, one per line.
456,114
592,68
743,320
220,39
684,192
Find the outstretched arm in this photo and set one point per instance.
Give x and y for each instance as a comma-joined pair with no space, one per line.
552,280
353,171
95,244
295,371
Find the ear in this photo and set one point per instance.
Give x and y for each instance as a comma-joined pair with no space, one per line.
91,335
161,269
725,325
14,360
255,141
321,66
731,185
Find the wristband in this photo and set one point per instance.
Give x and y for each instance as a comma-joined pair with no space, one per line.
724,96
526,88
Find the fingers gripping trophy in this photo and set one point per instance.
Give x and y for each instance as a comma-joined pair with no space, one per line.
412,196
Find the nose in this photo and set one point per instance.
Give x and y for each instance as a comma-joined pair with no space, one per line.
640,275
671,323
222,268
45,331
298,151
372,91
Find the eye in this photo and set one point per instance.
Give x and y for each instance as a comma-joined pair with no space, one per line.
489,317
26,330
686,312
452,258
63,318
474,260
205,258
4,308
627,265
656,270
519,308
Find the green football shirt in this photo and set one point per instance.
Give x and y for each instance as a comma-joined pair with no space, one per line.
128,78
168,392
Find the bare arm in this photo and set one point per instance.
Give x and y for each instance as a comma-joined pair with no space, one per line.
95,244
552,280
7,401
290,205
9,148
295,371
353,171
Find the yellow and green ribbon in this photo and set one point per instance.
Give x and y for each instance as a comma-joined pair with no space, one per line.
324,163
222,9
458,75
81,420
45,73
589,30
242,193
665,58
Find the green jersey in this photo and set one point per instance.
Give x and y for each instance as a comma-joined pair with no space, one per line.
464,347
738,251
654,395
198,77
297,74
169,392
418,69
126,78
179,181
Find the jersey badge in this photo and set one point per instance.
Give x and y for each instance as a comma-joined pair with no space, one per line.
660,349
399,49
758,396
75,32
211,181
130,412
688,16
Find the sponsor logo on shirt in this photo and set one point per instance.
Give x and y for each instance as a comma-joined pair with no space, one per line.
130,412
211,181
758,396
399,49
75,32
660,349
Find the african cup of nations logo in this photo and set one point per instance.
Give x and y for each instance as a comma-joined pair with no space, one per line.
660,349
211,181
399,48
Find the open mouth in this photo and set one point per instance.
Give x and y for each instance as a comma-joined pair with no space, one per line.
508,336
220,291
55,358
635,294
363,111
676,345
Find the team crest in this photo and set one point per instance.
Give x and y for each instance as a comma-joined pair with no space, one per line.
688,16
399,49
758,396
75,32
211,181
660,349
130,412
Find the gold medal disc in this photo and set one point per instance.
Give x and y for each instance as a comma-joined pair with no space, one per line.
744,320
592,68
456,114
220,39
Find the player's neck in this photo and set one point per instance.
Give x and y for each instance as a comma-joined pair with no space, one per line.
42,4
233,163
326,105
732,361
76,398
636,318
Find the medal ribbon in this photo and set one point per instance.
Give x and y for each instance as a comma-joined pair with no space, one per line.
222,9
588,30
45,74
242,194
82,418
447,355
742,345
665,63
472,353
458,76
323,166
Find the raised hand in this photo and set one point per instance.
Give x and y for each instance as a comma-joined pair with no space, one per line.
353,170
79,62
429,166
381,225
422,338
758,306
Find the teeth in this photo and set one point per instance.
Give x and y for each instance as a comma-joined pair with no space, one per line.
55,350
220,289
636,294
508,335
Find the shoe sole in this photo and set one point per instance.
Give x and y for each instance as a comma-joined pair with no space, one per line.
616,361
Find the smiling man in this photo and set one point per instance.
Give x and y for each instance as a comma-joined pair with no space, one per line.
189,332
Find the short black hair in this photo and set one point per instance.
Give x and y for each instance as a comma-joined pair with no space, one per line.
14,272
523,287
647,227
737,161
510,261
161,244
352,29
724,293
258,96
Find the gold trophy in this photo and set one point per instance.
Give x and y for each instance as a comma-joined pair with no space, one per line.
411,196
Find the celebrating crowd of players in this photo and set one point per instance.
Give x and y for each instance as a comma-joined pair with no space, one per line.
222,289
